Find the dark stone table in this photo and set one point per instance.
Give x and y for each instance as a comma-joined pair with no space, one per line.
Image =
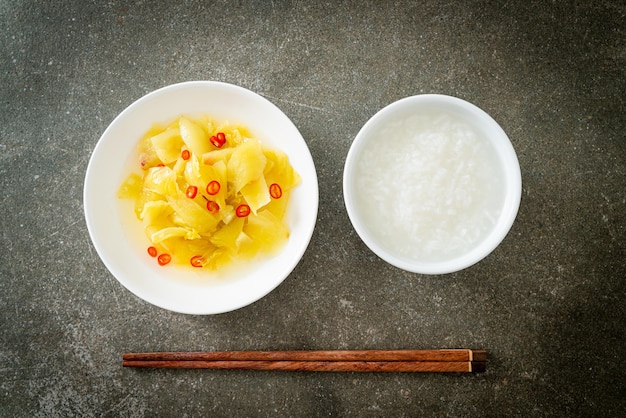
548,304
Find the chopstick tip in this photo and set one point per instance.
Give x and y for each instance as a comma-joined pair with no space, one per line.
479,366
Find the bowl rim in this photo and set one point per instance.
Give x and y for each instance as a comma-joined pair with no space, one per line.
506,154
303,205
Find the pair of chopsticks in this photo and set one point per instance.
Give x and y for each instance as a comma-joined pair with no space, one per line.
448,360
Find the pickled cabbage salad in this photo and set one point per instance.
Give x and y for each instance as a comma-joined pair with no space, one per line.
209,193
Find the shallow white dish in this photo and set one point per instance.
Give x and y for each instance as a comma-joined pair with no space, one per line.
118,236
367,147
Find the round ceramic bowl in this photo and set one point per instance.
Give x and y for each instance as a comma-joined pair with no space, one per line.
119,238
432,184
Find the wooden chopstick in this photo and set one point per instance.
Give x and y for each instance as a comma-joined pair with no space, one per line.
316,355
457,360
318,366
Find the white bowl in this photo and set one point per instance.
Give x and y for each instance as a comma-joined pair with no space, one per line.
443,227
118,236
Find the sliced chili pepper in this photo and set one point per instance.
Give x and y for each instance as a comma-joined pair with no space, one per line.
185,154
218,140
276,191
213,187
192,191
163,259
242,211
212,207
152,251
197,261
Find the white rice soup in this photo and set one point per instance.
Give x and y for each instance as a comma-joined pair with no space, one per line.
429,186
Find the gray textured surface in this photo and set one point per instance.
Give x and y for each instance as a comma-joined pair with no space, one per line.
548,304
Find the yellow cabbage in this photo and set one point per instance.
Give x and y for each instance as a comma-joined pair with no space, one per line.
199,225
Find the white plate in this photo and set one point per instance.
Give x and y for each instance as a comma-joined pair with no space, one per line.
118,236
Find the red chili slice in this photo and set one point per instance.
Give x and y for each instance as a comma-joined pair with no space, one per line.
275,191
185,154
152,251
218,140
192,191
197,261
212,207
242,211
163,259
213,187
